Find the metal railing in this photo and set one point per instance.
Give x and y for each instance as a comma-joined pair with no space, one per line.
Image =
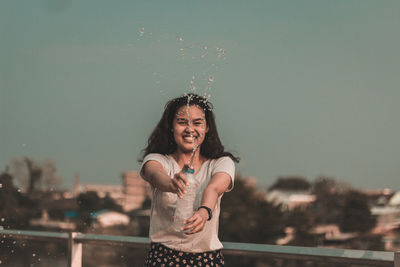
344,256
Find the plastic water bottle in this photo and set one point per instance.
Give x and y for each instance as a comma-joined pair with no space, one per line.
184,206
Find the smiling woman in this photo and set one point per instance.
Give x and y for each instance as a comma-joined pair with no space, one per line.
186,138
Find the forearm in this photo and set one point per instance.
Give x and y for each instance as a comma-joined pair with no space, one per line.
157,177
210,197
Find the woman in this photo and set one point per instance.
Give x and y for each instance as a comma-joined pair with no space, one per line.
186,136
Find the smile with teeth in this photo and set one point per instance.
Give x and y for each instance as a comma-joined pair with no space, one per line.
189,138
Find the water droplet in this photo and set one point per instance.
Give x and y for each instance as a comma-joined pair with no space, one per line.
2,219
33,255
19,190
205,47
211,79
141,31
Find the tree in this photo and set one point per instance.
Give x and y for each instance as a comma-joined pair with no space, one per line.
291,184
356,215
35,176
328,206
247,217
302,220
15,209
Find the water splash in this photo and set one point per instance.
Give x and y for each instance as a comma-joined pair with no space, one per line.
141,32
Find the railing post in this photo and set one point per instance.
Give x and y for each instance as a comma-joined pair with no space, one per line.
397,259
74,251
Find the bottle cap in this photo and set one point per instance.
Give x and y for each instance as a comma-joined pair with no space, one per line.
189,170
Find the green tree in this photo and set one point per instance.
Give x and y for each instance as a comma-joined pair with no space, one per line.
328,206
247,217
302,220
291,184
15,209
356,215
35,176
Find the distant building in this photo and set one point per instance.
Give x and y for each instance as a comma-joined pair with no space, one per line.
331,236
290,199
116,192
387,218
47,222
106,218
130,195
135,190
395,199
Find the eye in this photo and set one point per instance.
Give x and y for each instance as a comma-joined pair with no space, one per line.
181,122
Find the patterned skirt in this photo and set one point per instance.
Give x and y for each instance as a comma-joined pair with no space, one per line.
162,256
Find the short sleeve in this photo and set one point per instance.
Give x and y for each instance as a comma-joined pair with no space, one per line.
156,157
225,164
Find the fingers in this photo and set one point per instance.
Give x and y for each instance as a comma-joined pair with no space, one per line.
194,224
177,187
178,184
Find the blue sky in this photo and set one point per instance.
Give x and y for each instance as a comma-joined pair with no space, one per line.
305,88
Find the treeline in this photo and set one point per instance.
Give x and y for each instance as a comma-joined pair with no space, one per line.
247,216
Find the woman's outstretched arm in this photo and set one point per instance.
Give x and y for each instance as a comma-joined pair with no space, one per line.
155,174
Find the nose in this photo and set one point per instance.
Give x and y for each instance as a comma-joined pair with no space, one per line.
189,129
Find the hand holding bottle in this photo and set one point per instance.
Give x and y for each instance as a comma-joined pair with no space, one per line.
184,205
179,182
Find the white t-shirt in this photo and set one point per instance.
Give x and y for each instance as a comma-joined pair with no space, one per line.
163,207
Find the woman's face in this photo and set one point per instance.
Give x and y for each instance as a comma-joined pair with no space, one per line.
189,128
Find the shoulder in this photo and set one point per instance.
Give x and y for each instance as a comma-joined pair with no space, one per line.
223,164
157,157
224,161
164,160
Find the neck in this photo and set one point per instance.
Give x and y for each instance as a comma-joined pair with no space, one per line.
191,158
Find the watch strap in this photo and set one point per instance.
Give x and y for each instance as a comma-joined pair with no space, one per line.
208,210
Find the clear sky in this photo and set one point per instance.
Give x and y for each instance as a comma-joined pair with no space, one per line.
302,88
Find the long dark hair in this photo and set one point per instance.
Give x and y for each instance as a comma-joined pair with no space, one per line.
162,139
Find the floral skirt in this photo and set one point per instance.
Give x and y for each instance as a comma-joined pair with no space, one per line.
162,256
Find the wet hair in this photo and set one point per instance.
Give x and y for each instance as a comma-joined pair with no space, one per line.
162,139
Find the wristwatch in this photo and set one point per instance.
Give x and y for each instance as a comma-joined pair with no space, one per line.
208,210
